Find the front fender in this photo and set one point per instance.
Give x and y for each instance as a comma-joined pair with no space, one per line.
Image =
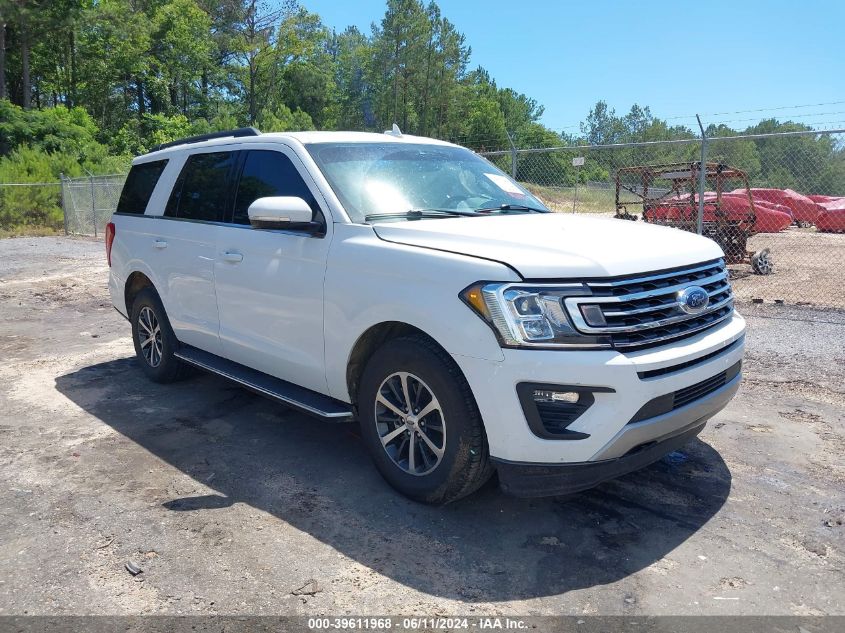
370,281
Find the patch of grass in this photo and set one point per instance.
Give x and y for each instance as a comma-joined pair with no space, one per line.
26,230
590,199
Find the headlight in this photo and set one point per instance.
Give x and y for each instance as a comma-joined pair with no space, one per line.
530,315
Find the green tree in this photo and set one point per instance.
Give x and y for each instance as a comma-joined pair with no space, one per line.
350,52
180,47
114,50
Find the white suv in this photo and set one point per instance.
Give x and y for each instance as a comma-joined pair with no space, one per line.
410,284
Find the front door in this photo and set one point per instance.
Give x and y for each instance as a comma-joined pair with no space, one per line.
269,283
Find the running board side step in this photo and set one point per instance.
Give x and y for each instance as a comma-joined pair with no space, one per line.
287,393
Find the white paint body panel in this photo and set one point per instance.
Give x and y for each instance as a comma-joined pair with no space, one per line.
296,305
557,245
271,302
369,281
182,273
494,386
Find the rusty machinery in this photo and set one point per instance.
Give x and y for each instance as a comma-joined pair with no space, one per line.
669,196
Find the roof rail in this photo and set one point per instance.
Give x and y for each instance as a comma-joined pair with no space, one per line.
241,131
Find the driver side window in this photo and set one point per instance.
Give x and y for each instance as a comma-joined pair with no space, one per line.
268,173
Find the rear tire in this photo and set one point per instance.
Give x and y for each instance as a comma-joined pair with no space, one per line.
436,457
155,342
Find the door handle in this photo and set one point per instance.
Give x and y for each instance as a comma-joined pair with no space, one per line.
160,244
232,257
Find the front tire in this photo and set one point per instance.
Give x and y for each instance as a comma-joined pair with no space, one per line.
155,342
420,422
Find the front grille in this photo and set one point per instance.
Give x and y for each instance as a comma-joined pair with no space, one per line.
682,397
644,310
698,390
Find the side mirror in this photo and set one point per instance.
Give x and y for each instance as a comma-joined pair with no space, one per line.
282,212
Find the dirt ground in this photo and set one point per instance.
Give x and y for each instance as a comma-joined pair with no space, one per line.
231,504
807,269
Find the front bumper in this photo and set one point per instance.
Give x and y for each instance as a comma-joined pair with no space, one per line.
635,446
609,429
544,480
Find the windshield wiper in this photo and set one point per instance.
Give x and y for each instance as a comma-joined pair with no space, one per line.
512,207
415,214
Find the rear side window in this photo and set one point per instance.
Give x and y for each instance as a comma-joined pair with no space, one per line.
139,186
201,191
268,173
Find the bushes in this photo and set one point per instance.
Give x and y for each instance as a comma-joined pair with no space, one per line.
38,205
36,146
138,136
54,130
24,208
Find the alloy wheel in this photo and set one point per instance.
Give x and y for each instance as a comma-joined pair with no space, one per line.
410,423
149,336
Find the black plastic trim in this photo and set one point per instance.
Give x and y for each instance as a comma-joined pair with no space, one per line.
543,480
293,229
121,313
686,395
525,392
311,402
238,133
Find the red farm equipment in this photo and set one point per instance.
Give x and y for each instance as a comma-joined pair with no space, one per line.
668,195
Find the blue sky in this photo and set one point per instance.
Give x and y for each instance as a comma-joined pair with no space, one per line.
680,58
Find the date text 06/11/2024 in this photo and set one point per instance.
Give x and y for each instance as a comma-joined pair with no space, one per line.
416,623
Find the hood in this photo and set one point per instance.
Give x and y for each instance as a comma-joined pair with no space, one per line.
557,245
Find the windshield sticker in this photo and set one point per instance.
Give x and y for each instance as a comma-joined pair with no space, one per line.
505,184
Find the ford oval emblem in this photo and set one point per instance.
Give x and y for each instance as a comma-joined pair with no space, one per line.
693,299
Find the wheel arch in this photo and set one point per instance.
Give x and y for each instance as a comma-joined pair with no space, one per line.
135,283
371,340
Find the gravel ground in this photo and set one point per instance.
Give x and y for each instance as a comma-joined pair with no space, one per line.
233,505
808,269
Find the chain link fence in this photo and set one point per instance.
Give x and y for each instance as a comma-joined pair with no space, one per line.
89,202
77,206
774,202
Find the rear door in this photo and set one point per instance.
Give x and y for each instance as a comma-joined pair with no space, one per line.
184,249
270,282
132,236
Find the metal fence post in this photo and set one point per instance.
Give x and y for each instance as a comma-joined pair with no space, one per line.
513,155
64,200
702,172
93,202
577,162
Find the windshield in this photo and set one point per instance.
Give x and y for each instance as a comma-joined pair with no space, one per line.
390,179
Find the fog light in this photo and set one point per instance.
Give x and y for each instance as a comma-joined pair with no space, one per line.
551,408
556,396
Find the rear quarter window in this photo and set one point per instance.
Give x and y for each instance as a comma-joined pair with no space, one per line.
139,187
